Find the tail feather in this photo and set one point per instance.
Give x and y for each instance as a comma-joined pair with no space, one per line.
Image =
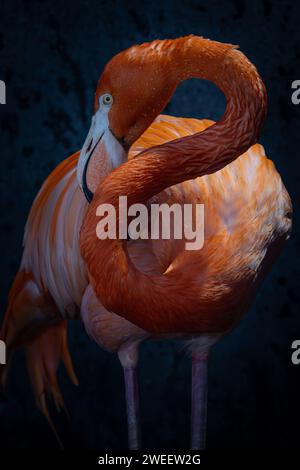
43,356
32,321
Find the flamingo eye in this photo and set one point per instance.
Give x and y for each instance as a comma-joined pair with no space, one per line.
107,99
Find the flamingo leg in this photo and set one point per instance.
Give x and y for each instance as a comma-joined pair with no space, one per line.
128,356
132,404
199,401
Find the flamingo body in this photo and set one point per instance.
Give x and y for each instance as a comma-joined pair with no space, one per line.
247,209
244,201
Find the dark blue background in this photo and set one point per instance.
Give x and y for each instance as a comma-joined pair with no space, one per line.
51,54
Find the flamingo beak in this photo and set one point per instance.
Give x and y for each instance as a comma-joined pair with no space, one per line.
97,129
100,139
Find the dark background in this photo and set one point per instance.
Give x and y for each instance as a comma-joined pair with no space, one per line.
51,54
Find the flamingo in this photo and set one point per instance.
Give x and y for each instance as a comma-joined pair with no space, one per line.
130,291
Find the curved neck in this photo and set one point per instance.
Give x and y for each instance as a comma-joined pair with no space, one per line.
163,166
206,152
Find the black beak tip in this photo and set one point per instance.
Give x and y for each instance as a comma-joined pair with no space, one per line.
88,194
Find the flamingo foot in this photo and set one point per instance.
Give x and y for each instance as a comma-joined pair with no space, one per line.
43,356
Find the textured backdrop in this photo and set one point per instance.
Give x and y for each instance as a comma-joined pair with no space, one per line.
51,54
